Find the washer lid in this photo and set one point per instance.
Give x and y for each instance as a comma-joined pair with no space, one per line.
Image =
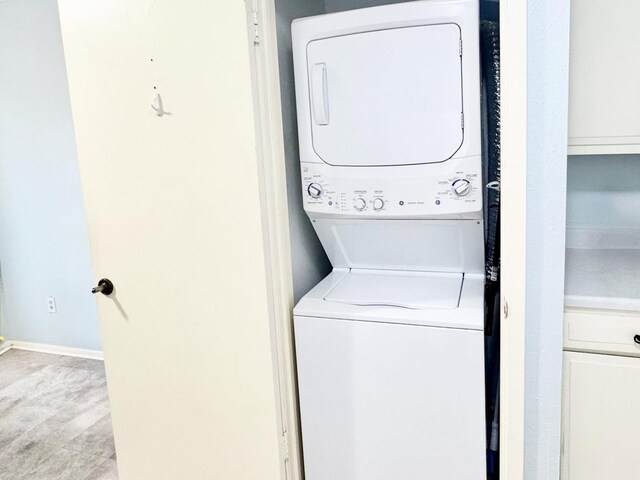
388,97
415,290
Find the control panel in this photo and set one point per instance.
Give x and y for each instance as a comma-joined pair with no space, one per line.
396,192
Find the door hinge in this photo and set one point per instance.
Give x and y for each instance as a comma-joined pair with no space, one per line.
256,24
284,440
505,307
287,470
285,456
460,47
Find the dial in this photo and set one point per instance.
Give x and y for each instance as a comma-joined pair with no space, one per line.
378,204
360,204
461,187
314,190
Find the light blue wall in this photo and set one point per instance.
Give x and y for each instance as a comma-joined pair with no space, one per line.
603,190
43,236
547,111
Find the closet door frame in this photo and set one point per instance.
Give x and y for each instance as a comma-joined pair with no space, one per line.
262,40
513,235
514,67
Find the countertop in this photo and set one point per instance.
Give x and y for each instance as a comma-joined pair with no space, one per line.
603,269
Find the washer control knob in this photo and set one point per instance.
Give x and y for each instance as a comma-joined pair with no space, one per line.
378,204
314,190
461,187
360,204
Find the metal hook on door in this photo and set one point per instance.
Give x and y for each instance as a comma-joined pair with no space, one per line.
157,105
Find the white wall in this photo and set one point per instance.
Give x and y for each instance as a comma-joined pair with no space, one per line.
547,110
309,262
603,190
43,236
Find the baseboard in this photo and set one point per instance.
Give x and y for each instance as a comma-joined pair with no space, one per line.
5,346
54,349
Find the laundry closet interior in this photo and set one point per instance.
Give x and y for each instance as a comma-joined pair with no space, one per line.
385,130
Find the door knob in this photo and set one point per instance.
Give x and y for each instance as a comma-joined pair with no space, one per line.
105,287
637,339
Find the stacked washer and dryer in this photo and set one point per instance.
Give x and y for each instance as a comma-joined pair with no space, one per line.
389,345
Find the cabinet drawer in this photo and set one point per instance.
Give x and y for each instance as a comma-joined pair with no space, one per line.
601,331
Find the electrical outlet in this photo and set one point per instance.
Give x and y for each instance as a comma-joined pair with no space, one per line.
51,305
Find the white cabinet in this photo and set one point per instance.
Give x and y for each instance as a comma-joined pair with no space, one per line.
604,91
601,417
602,331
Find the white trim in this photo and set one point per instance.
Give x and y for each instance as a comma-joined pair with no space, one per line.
513,68
5,346
617,149
270,146
54,349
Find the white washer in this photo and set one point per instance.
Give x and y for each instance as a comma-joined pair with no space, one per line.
388,392
390,345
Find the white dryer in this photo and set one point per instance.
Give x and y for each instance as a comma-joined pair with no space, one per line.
389,346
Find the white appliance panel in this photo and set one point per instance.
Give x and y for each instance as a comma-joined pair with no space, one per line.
381,401
373,75
387,97
416,290
403,245
467,316
452,189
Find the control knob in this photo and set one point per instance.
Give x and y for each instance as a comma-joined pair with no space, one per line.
378,204
314,190
461,187
360,204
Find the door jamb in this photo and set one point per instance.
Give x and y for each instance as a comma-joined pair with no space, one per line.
261,25
513,237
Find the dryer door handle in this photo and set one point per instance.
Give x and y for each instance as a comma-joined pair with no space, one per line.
319,98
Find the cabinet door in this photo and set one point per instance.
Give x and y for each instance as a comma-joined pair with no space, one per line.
604,97
601,417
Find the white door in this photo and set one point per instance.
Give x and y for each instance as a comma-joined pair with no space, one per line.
175,222
601,417
389,97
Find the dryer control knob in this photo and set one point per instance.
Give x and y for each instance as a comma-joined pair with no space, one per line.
461,187
314,190
378,204
360,204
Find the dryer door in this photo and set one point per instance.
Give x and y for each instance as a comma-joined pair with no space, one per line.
389,97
